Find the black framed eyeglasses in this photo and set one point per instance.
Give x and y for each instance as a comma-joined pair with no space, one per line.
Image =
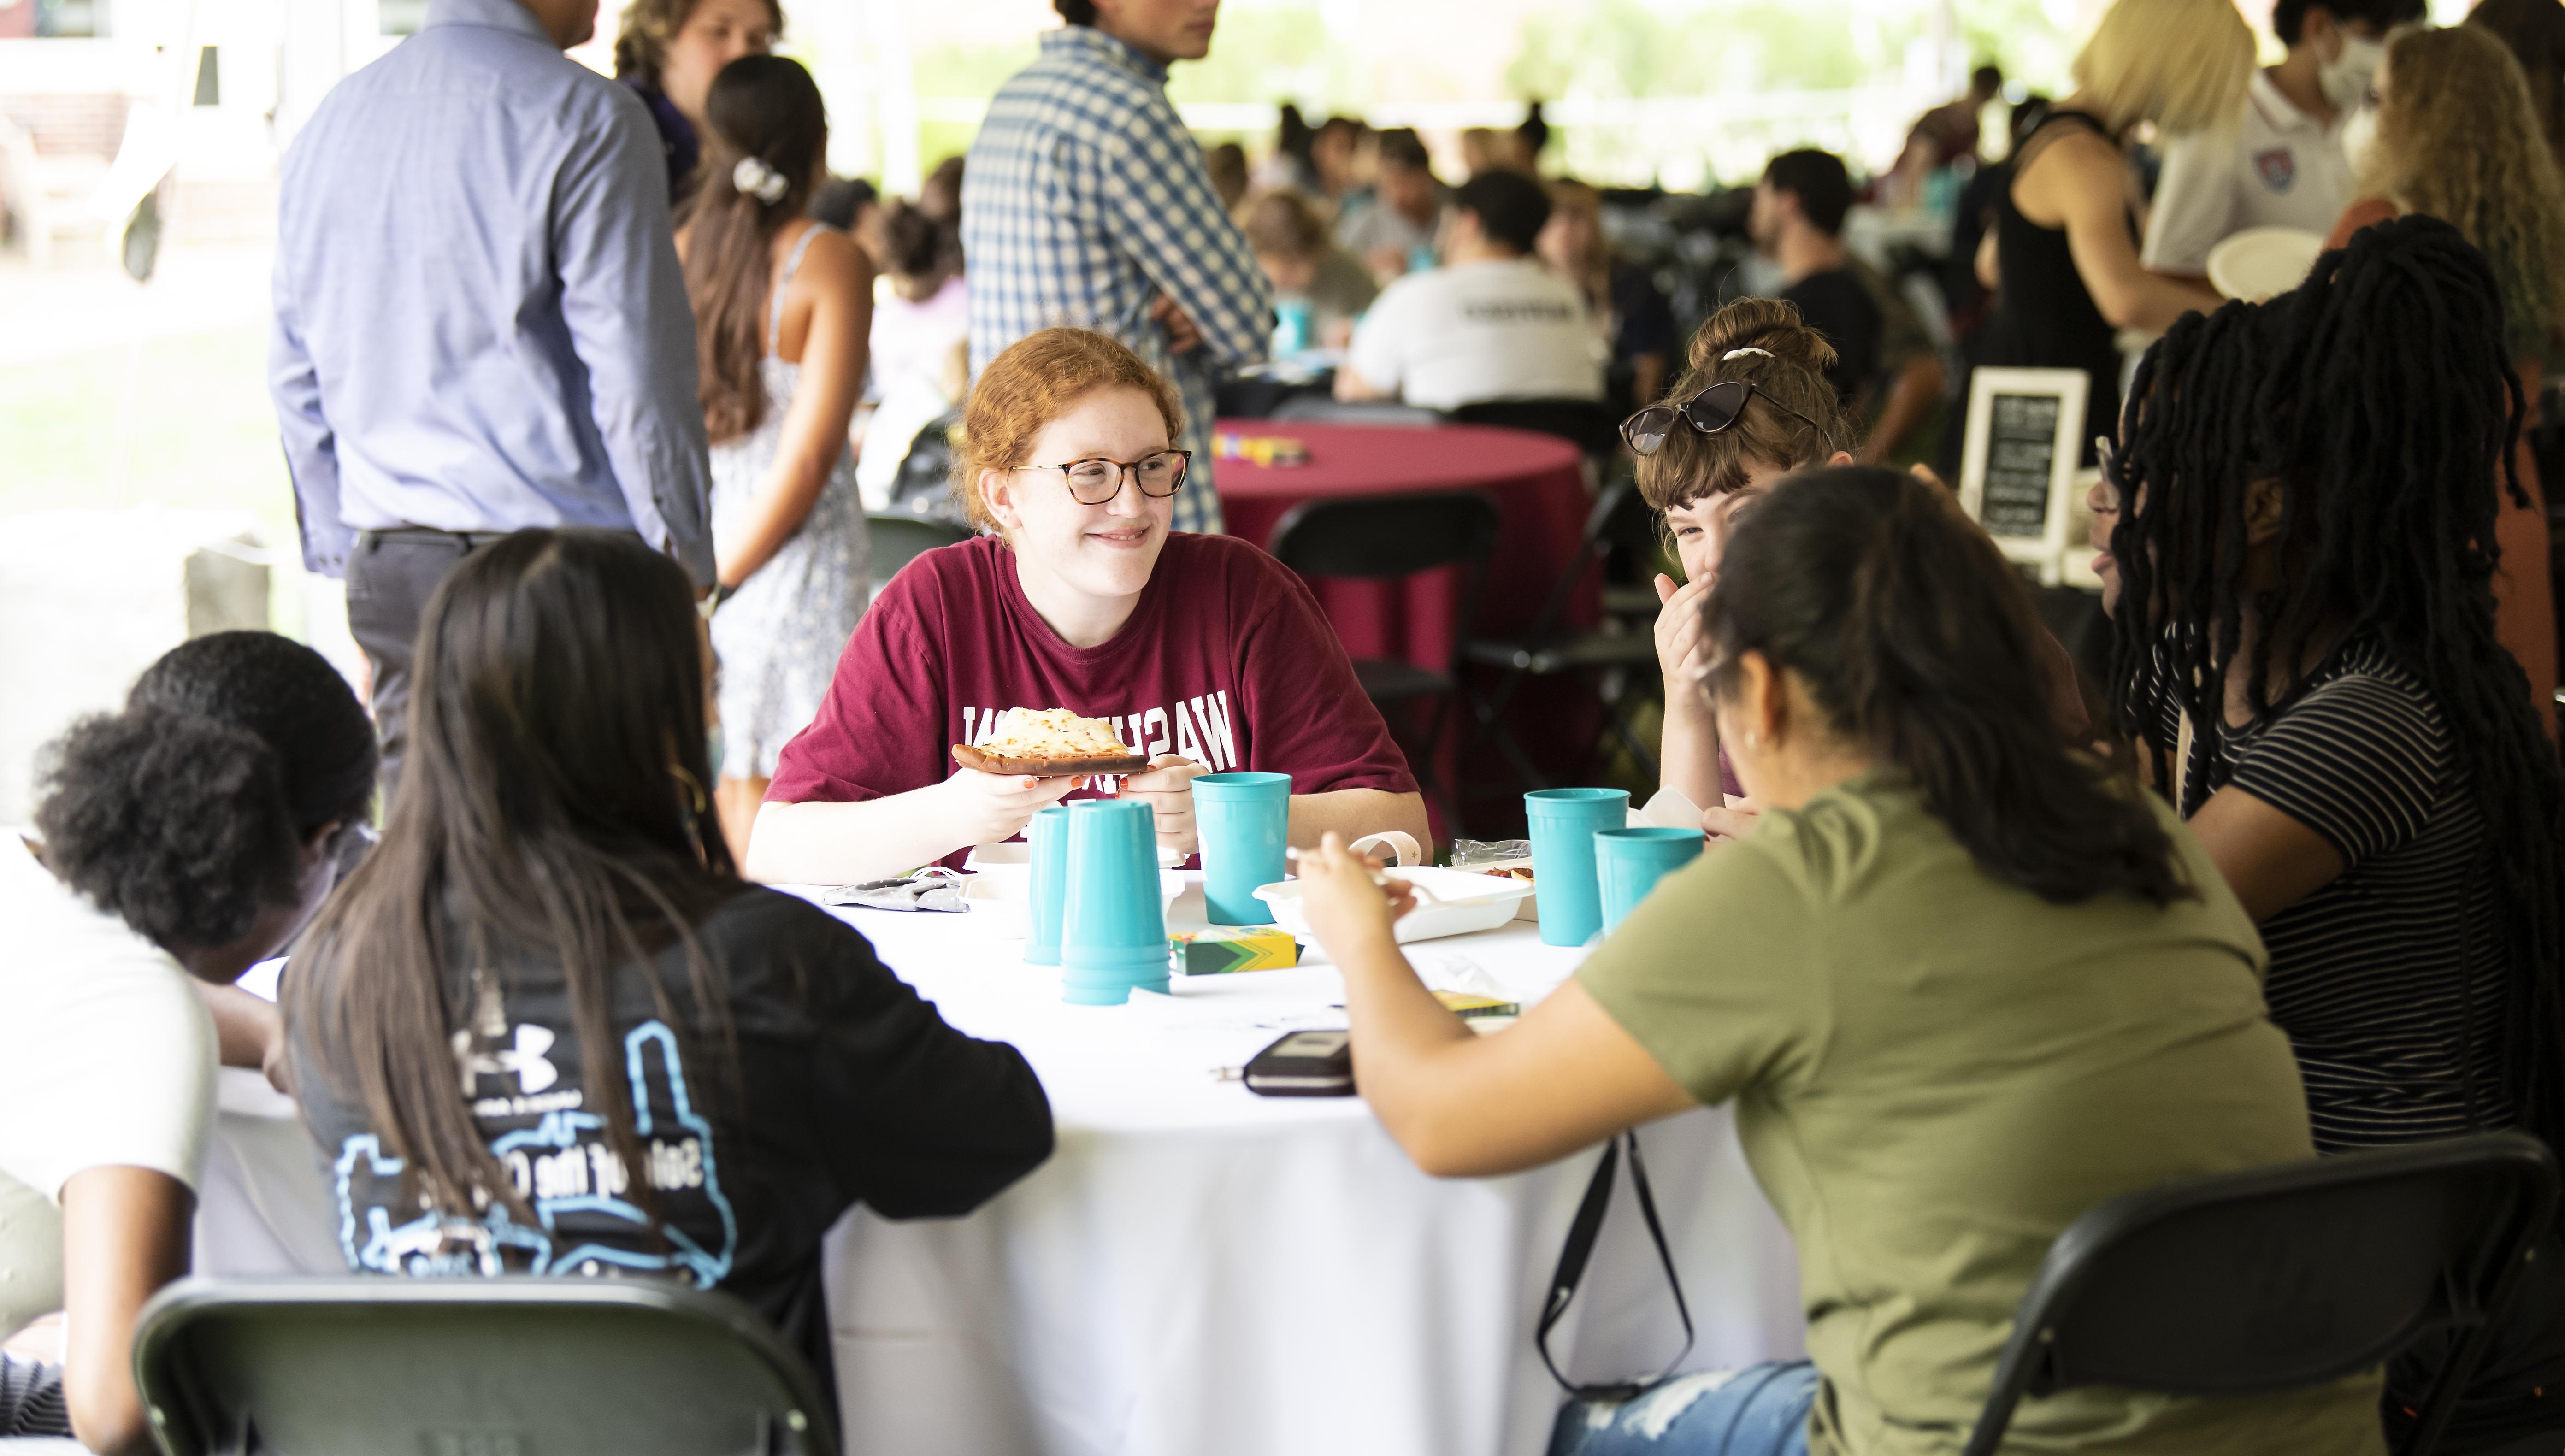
1095,482
1708,412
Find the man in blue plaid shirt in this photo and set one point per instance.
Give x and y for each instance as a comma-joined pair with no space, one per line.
1085,201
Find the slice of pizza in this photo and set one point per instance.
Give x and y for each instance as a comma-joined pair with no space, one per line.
1050,742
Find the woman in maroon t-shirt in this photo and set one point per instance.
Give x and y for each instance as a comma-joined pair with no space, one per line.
1202,652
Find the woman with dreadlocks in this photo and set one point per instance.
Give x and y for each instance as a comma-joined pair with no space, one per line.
2306,648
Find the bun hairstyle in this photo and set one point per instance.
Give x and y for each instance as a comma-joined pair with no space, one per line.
1037,379
766,128
1791,369
175,824
1920,645
919,244
185,813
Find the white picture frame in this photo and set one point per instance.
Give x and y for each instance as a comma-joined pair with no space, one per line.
2013,414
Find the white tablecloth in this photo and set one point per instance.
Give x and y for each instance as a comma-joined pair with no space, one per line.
1199,1270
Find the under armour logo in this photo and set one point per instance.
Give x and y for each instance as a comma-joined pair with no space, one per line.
526,1060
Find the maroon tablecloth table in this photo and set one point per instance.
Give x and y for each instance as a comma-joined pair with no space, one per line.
1542,501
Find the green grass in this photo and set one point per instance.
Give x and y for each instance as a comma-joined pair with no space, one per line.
181,421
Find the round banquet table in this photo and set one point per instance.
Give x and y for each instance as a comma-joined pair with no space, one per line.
1538,485
1198,1269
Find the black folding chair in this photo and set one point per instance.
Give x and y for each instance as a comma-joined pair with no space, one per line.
2282,1278
1258,395
1589,424
895,540
1388,538
1617,663
514,1367
923,484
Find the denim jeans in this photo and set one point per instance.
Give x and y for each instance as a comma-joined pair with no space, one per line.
1762,1410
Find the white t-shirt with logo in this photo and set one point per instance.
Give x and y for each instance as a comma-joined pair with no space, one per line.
1475,332
2280,168
107,1059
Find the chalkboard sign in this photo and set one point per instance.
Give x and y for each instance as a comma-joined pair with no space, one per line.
2018,473
2022,464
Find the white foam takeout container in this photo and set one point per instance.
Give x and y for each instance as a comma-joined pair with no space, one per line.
1450,903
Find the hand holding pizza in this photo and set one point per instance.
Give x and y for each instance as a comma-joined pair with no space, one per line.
990,808
1167,787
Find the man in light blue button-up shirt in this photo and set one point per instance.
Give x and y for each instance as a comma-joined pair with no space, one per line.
480,322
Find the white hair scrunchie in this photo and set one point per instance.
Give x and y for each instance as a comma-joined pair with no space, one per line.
1733,353
754,178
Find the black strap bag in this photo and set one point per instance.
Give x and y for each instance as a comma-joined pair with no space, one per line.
1573,1258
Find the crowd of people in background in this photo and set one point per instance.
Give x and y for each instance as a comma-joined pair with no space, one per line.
625,445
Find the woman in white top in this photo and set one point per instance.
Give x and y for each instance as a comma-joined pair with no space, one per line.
184,840
782,310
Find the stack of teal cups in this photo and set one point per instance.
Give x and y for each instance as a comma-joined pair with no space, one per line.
1244,821
1049,834
1563,825
1630,861
1112,933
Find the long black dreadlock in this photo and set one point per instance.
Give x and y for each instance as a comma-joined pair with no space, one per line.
2379,397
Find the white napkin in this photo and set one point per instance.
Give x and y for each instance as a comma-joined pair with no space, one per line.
1669,810
1448,970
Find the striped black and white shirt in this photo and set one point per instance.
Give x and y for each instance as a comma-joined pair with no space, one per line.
2388,980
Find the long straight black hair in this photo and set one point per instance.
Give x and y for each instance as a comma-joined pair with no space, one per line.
552,810
2379,398
763,108
1921,647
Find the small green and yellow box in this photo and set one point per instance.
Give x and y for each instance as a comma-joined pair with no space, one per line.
1469,1005
1224,950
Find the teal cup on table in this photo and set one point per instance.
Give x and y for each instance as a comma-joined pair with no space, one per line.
1049,835
1630,861
1112,931
1564,825
1292,331
1242,821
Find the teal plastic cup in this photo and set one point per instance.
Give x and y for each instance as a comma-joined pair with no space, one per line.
1292,326
1630,861
1049,834
1242,821
1563,825
1113,932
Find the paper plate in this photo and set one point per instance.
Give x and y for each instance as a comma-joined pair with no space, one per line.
2263,262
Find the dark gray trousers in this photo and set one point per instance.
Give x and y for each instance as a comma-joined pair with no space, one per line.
390,576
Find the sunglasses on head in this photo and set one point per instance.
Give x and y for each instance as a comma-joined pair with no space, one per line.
1708,412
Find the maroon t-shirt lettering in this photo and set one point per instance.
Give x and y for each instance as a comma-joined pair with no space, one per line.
1225,660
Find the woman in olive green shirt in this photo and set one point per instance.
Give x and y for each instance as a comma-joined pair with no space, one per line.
1962,984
